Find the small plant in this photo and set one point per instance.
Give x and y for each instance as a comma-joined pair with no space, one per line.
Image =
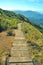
10,33
14,26
25,31
2,28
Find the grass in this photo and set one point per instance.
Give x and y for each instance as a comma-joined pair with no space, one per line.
32,33
35,42
5,43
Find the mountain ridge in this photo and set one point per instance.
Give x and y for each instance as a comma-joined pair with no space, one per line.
33,15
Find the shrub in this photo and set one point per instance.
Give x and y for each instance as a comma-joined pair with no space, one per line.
25,31
14,26
10,33
2,28
36,37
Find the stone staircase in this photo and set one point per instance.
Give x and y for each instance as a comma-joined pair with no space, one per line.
19,50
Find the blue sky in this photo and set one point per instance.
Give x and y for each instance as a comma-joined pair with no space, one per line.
34,5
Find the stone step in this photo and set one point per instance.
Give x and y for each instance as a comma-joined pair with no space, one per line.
20,53
20,63
20,33
19,42
19,48
19,59
20,38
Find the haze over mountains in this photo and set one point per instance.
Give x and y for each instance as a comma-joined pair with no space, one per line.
32,15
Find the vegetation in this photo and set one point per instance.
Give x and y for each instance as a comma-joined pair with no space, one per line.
10,33
8,23
37,25
32,32
5,44
35,42
10,19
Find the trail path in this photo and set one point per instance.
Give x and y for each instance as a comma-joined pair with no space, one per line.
19,50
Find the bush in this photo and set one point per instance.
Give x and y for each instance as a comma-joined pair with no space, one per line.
36,37
14,26
25,31
2,28
10,33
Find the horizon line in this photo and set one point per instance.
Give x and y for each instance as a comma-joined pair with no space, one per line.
20,10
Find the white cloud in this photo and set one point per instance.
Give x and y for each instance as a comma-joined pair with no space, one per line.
7,8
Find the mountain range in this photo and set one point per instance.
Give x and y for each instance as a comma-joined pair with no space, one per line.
32,15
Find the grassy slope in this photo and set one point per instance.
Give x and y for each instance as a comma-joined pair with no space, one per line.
9,20
35,42
32,34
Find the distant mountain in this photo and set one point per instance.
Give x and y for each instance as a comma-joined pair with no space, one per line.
32,15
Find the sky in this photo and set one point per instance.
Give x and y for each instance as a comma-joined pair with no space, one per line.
34,5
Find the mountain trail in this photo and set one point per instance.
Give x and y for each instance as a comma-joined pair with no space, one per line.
19,50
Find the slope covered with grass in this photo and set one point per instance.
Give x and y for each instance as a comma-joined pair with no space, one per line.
32,34
9,19
8,23
35,42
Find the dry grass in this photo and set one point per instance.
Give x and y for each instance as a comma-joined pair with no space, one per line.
33,34
5,43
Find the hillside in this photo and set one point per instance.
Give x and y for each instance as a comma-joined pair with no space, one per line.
9,19
35,42
8,23
35,18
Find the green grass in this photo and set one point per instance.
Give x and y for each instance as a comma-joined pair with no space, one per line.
9,20
32,33
34,40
